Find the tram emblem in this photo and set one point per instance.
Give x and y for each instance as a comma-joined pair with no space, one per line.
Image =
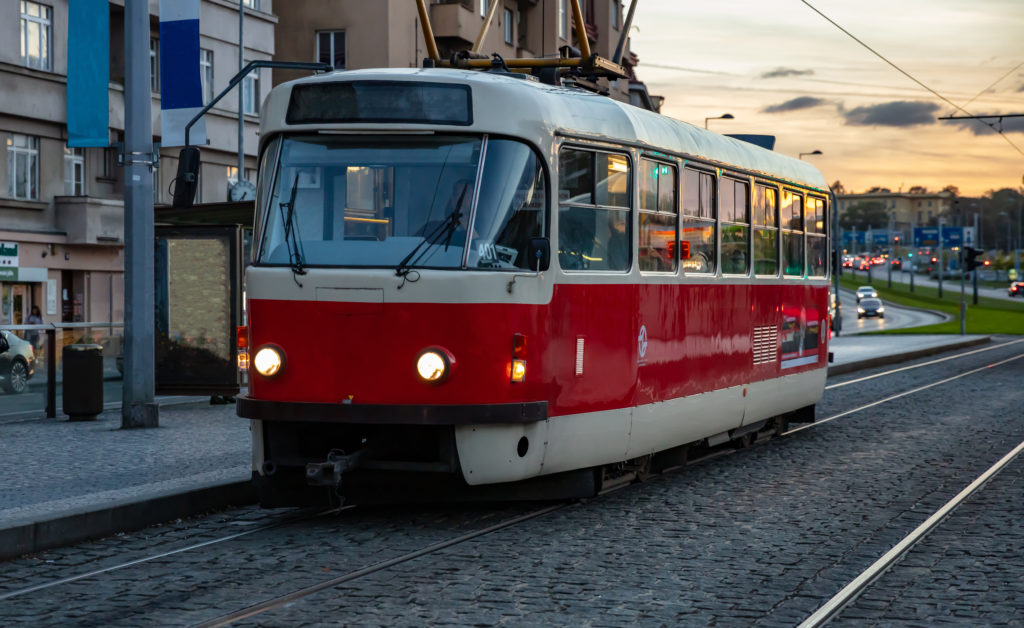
641,343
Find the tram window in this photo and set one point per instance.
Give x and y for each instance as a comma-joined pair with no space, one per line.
658,217
511,208
815,215
734,208
697,236
793,249
766,234
792,211
593,212
817,253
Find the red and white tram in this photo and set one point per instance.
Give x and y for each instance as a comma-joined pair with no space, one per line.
496,287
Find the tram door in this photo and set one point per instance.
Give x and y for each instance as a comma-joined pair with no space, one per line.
198,309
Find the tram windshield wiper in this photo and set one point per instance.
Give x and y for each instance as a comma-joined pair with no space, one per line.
445,229
296,257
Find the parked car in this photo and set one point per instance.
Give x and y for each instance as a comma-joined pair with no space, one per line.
870,307
17,363
866,292
1016,289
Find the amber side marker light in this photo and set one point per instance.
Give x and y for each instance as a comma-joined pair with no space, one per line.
518,370
243,347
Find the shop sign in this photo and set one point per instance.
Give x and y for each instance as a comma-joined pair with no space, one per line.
8,255
8,274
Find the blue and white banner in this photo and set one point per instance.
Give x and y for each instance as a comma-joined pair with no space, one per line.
181,87
88,106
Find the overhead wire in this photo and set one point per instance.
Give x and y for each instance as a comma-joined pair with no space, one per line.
911,77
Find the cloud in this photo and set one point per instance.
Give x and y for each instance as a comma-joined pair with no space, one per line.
900,113
1021,88
981,127
800,102
784,72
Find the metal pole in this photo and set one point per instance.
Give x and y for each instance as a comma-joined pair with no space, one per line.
892,248
138,408
51,373
241,93
941,261
913,247
837,324
963,302
974,273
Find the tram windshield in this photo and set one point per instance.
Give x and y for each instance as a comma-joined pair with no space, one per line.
370,201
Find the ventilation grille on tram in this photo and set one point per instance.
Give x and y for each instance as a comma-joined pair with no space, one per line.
766,344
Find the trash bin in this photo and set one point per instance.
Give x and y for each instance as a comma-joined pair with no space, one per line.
83,381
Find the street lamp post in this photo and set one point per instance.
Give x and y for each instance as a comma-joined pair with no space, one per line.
724,116
813,152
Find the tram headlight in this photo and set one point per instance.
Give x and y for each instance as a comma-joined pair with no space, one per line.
434,365
268,361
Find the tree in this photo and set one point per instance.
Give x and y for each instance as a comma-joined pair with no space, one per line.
837,187
877,189
863,215
952,189
918,189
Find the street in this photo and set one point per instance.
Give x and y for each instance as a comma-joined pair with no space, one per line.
762,536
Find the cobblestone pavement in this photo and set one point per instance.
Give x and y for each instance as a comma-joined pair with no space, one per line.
759,537
968,571
121,464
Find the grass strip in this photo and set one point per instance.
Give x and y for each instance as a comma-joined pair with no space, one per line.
989,316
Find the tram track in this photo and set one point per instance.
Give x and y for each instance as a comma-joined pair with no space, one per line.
355,574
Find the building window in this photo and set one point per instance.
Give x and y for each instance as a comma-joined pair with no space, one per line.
251,92
23,166
252,4
330,48
74,171
563,27
484,5
206,73
659,213
615,14
154,65
36,31
508,26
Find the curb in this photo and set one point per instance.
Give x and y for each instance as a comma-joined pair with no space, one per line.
895,358
29,538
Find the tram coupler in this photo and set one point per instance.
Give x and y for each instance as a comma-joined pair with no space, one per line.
329,473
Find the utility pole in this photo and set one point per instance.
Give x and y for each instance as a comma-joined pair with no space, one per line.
241,93
913,246
837,257
974,273
138,408
941,260
892,247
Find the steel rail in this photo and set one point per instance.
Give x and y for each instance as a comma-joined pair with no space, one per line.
903,394
139,561
852,591
929,363
298,594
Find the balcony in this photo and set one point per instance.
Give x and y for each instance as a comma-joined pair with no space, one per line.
89,220
455,24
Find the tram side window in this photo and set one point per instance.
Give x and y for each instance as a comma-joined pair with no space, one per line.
766,231
734,206
511,208
792,233
658,217
697,237
817,242
593,210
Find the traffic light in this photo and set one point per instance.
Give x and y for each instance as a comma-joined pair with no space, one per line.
971,260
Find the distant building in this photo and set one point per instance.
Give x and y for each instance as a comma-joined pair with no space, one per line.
906,208
61,208
357,34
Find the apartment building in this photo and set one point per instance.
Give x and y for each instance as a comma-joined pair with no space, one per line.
355,34
61,208
918,207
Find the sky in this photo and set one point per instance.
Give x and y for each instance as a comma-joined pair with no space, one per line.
781,69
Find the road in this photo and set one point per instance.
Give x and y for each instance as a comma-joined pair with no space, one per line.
896,317
880,278
760,536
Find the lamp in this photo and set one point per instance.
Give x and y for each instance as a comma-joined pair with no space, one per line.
813,152
724,116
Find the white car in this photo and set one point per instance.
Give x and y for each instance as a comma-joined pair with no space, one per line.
865,292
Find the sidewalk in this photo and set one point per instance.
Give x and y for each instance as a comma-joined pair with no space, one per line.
67,482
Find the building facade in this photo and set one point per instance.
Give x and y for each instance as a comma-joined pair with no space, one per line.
920,208
61,208
355,34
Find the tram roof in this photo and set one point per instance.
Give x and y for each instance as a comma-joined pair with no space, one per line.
529,109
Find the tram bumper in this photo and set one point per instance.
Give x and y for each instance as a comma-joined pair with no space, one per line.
391,414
